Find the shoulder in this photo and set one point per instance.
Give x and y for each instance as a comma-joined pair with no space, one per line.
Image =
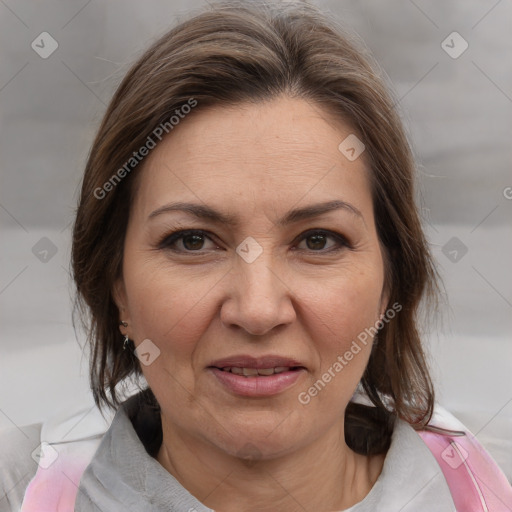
17,467
65,442
475,480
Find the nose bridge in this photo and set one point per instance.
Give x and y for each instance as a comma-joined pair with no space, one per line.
259,300
257,267
260,276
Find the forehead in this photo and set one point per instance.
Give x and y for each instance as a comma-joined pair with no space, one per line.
270,154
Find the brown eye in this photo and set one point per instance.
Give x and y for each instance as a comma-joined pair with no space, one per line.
193,242
316,242
187,241
322,241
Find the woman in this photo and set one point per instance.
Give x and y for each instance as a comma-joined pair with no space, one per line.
247,244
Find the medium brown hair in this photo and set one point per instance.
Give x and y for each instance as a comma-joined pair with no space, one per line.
236,52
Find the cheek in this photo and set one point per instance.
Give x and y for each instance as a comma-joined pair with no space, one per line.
166,307
343,317
168,310
348,302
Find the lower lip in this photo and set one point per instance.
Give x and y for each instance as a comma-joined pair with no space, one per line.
259,386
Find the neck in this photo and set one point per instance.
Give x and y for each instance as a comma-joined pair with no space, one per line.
325,475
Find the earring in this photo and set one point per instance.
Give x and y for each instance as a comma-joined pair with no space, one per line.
126,339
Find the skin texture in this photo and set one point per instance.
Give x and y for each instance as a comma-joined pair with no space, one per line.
300,298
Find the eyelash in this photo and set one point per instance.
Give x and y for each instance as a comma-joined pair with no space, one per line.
172,238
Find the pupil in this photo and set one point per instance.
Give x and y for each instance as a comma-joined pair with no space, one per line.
318,241
197,242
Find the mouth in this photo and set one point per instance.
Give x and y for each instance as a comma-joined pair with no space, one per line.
249,376
276,363
259,372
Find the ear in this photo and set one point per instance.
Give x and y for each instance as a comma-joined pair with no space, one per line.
385,295
384,301
119,296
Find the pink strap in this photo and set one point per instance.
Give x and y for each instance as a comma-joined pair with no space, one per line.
55,485
475,481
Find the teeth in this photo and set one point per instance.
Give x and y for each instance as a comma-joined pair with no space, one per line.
252,372
266,371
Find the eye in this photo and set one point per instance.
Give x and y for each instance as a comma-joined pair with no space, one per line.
189,240
194,240
318,241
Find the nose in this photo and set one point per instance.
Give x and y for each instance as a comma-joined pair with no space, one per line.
260,298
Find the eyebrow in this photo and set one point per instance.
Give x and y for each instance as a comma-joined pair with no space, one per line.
293,216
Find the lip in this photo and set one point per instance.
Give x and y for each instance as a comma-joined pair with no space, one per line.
246,361
257,386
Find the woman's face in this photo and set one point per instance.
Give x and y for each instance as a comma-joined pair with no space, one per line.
282,290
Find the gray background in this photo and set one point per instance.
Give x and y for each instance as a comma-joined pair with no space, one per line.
459,116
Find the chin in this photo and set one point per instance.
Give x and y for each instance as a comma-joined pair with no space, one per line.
262,441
